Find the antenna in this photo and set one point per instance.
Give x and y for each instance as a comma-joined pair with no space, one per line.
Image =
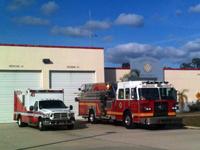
90,15
90,18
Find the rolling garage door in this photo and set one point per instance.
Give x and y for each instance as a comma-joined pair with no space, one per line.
70,82
10,81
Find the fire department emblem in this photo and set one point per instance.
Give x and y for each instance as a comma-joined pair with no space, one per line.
147,67
120,105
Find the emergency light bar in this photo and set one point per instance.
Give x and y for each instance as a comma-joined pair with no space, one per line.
46,91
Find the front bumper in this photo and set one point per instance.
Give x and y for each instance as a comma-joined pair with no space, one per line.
48,122
161,120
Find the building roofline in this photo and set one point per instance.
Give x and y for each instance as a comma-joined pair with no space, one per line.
119,68
51,46
181,68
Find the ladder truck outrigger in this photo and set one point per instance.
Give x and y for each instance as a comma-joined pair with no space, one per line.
132,102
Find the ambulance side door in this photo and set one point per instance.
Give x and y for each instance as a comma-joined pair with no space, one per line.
34,115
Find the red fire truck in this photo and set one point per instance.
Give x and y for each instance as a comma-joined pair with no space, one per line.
133,102
42,108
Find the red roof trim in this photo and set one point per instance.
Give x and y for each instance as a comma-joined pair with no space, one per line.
181,69
119,68
51,46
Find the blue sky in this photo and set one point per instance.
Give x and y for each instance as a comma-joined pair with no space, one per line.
166,30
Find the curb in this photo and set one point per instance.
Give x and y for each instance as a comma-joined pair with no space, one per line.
192,127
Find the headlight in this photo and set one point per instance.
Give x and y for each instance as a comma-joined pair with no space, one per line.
147,108
47,115
174,108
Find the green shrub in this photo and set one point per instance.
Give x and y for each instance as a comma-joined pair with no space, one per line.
194,107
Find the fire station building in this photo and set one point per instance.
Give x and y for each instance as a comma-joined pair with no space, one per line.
43,67
115,74
184,79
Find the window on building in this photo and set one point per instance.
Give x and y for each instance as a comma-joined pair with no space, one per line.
121,94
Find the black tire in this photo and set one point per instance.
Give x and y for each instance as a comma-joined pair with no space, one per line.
41,126
70,127
91,117
127,120
20,122
153,127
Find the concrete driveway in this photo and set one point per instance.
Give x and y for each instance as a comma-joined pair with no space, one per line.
97,137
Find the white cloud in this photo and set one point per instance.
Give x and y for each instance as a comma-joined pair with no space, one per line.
124,52
18,4
130,19
193,45
88,29
96,25
49,8
107,38
81,31
29,20
195,9
71,31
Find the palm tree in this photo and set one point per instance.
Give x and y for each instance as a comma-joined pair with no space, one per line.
196,62
198,97
186,65
182,99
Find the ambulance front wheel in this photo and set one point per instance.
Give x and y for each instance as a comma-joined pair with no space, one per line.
70,127
91,117
41,126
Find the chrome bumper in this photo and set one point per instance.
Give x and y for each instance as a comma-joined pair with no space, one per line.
48,122
162,120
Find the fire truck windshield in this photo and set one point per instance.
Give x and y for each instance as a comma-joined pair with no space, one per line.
149,93
168,93
51,104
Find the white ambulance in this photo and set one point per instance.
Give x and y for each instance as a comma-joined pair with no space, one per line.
42,108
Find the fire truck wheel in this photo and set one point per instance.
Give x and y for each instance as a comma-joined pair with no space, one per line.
91,117
20,123
127,121
40,125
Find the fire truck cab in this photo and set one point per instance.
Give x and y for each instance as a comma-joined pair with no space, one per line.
133,102
42,108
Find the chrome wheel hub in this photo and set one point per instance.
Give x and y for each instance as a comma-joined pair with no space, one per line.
91,117
128,120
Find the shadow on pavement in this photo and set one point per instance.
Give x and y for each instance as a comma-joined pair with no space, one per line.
146,127
65,141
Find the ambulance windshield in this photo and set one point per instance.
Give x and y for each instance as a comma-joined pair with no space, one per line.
51,104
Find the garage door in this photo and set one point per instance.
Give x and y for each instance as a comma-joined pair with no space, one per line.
70,82
10,81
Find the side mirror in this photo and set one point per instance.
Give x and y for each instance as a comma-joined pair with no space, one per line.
76,99
31,108
70,107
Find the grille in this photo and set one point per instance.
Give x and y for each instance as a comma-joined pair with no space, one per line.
160,109
60,116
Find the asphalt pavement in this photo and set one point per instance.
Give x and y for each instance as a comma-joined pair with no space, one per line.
97,137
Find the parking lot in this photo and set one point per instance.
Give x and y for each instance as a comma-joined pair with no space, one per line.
98,136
